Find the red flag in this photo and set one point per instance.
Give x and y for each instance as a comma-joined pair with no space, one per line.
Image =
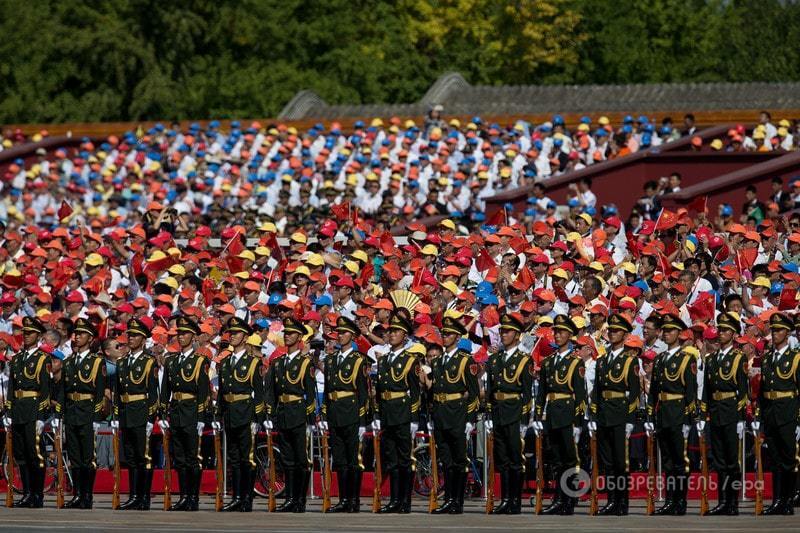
746,258
341,211
702,309
363,344
698,205
633,245
64,211
354,216
519,244
484,261
271,242
498,219
526,277
666,220
543,346
788,299
365,275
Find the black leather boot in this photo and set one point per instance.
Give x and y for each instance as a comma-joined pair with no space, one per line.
183,487
458,488
355,489
145,486
248,481
722,496
610,508
236,501
133,502
515,498
87,477
789,480
302,491
288,505
680,495
733,498
37,488
569,502
77,495
25,481
406,488
669,503
449,478
622,496
504,494
777,501
193,496
394,492
342,480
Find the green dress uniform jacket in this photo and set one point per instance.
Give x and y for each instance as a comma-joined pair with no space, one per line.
508,388
82,392
454,391
562,391
184,393
346,396
397,389
724,387
136,398
240,400
615,396
673,389
290,392
28,397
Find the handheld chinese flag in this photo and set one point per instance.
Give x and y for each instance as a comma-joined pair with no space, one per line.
698,205
341,211
746,258
484,261
498,219
703,307
788,299
64,211
666,220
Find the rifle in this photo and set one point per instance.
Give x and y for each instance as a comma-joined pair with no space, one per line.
59,470
539,474
167,470
376,491
271,488
10,469
593,451
432,497
220,478
326,474
651,476
115,446
490,473
759,476
704,476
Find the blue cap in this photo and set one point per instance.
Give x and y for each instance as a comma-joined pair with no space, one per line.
484,287
488,299
478,217
642,285
642,119
465,344
552,204
727,210
557,142
600,132
325,299
790,267
591,211
530,212
274,299
262,323
777,288
586,120
627,120
572,202
558,120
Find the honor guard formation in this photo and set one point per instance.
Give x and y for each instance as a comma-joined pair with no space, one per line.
204,316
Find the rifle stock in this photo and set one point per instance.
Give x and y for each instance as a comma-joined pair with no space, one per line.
433,496
59,470
759,477
10,469
115,446
651,476
539,474
326,476
490,473
593,451
376,491
167,470
704,478
219,473
271,486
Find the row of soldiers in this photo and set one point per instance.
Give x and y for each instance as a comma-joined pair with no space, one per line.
552,401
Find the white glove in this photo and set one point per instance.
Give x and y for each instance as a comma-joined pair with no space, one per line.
361,431
797,433
755,426
523,429
430,426
322,426
253,427
7,422
309,429
376,425
592,426
96,426
163,424
649,428
200,427
55,424
701,425
267,425
538,427
576,434
628,430
114,425
468,429
39,426
489,425
148,429
216,426
740,429
685,430
414,429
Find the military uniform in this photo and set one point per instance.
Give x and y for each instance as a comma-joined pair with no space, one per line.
290,397
723,403
508,406
672,405
455,396
81,397
561,403
398,405
345,411
778,411
28,405
615,398
184,400
240,405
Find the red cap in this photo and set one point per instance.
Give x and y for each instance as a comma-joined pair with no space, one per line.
75,297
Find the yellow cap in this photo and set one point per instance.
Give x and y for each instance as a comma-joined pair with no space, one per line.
452,287
94,260
178,270
299,237
268,226
429,249
247,254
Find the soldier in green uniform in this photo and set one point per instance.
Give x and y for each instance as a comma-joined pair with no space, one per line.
344,413
508,405
562,387
290,396
723,404
135,406
184,397
27,407
397,413
81,396
454,388
615,397
670,409
778,410
240,407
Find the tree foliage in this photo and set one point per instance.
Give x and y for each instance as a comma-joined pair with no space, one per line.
105,60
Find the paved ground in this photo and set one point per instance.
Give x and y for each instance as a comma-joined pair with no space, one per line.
103,519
